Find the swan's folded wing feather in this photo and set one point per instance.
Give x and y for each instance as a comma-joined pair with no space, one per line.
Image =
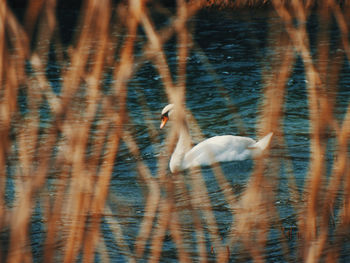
218,149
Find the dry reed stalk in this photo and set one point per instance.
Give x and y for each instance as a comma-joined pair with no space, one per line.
175,229
11,77
199,226
166,206
201,202
158,236
220,178
321,116
118,233
80,186
252,223
82,204
338,169
152,201
93,98
161,65
225,189
165,209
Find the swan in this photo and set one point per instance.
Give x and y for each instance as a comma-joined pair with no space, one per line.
223,148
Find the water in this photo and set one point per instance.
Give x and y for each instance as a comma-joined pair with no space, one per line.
236,47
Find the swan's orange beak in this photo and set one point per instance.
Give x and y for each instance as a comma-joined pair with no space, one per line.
164,121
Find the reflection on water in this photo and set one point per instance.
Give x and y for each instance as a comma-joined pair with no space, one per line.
236,47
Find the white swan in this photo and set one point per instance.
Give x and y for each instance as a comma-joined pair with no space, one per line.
223,148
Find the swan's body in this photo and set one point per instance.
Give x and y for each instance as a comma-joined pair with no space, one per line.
223,148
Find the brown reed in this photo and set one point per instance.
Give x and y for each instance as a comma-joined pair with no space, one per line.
79,144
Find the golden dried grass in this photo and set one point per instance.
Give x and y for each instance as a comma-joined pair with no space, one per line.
75,210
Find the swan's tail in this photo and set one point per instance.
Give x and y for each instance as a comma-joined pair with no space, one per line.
259,147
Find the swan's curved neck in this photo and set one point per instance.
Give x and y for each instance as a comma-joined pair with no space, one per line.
183,145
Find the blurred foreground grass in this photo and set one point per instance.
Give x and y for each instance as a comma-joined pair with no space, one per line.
74,210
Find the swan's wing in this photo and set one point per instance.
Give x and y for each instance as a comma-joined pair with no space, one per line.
219,149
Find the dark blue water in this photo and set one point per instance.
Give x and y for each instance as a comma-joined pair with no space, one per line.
225,69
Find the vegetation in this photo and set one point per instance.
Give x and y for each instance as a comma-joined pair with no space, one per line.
51,132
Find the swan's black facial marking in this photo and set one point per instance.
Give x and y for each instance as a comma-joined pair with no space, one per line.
165,115
164,119
166,112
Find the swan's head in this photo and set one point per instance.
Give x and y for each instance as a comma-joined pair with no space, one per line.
166,112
